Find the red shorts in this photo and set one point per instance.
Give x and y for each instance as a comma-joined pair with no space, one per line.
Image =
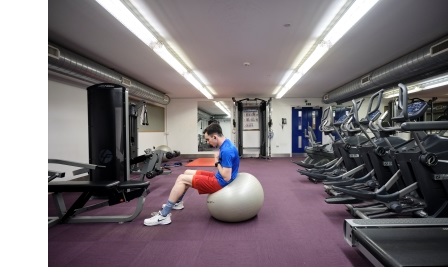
205,182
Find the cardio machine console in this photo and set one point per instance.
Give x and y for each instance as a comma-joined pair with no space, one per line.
340,120
372,116
417,109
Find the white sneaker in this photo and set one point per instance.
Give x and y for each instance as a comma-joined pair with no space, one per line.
158,219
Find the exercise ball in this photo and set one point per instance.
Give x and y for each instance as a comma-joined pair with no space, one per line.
165,149
238,201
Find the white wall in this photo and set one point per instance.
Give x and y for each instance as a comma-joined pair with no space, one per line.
182,126
181,118
67,125
150,140
68,131
67,122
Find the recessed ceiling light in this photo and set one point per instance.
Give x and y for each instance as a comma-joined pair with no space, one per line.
247,64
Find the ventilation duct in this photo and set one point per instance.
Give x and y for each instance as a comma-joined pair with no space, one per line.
205,115
424,62
69,64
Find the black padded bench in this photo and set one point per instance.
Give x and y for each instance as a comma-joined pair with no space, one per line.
81,186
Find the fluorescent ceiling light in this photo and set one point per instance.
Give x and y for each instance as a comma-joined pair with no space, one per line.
429,83
223,107
296,75
122,14
320,50
354,13
349,18
198,85
391,93
415,89
440,84
161,50
130,21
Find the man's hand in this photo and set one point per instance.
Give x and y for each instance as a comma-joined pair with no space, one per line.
216,156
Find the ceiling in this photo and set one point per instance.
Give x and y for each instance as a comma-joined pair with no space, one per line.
217,38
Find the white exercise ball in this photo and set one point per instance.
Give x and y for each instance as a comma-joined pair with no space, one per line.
240,200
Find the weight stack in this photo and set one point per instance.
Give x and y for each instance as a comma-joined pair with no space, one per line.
108,132
133,134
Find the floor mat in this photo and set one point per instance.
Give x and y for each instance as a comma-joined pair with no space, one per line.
202,162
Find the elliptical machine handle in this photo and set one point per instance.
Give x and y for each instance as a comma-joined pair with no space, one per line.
403,100
324,118
378,94
377,124
356,106
325,113
386,129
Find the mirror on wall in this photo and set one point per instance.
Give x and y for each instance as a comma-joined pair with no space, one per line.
207,113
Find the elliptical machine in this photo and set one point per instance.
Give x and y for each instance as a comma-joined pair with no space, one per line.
378,162
349,162
423,166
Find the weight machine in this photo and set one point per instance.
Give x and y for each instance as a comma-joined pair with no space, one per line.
254,127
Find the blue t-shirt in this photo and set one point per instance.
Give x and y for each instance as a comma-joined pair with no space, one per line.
228,157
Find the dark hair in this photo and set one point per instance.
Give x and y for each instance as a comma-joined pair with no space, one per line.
213,128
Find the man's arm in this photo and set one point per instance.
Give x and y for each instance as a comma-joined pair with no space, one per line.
226,172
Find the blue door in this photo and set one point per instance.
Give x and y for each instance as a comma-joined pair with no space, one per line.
302,118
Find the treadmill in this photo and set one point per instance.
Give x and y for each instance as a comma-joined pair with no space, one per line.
400,241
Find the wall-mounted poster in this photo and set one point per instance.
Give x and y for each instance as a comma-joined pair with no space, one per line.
250,119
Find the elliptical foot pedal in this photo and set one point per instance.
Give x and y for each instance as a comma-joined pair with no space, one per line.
343,200
305,165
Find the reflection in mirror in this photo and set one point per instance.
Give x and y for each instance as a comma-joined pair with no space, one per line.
208,112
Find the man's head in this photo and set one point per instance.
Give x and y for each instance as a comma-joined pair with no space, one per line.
213,134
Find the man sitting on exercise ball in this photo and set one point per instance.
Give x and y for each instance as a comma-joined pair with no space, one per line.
227,161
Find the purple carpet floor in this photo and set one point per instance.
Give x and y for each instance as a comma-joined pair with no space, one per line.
294,228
